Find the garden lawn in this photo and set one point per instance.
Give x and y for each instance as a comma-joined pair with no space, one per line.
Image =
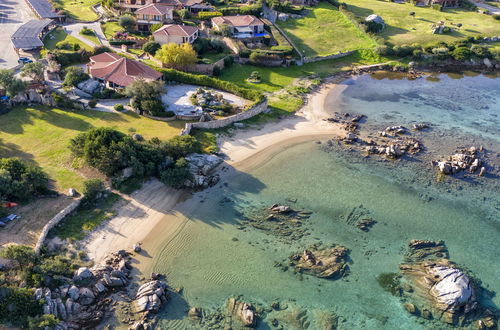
42,135
79,9
92,37
110,28
60,35
403,29
325,31
273,79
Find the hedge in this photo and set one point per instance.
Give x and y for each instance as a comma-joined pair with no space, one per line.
206,15
121,42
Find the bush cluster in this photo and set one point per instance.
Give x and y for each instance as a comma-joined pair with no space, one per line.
265,59
111,151
74,76
207,15
20,180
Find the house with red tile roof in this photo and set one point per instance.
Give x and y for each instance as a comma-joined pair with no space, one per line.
244,26
155,13
119,72
178,34
134,5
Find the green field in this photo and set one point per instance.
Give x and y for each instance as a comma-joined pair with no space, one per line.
91,37
110,28
403,29
79,9
274,79
325,31
60,35
42,135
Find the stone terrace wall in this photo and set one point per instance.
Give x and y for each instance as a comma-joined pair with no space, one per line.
255,110
323,58
54,221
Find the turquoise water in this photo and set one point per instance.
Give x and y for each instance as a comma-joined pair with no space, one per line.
214,257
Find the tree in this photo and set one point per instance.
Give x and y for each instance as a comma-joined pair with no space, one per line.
91,190
180,146
23,254
33,70
176,56
74,76
155,27
100,49
225,30
127,22
177,175
143,90
10,83
151,47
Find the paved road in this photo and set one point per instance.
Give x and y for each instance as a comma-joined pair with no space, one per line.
74,30
13,13
492,9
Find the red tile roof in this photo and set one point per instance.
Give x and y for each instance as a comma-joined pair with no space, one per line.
243,20
155,9
177,30
120,70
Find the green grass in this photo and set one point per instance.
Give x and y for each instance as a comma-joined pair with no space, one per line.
404,29
110,28
91,37
213,56
81,222
60,35
325,31
42,135
79,9
274,79
493,3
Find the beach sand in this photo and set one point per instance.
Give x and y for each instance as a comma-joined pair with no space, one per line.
151,211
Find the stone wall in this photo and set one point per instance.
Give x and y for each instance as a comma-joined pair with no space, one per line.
54,221
323,58
255,110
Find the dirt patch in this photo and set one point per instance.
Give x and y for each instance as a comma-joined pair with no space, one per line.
33,216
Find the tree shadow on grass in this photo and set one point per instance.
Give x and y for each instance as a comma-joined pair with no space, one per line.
8,149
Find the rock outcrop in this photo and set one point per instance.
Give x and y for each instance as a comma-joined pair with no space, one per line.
464,160
201,166
239,314
150,297
325,262
439,288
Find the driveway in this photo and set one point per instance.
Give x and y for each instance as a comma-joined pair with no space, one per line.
13,14
74,30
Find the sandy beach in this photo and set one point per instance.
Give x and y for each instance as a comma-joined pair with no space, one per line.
151,210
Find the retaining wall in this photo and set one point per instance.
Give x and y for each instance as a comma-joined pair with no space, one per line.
323,58
255,110
54,221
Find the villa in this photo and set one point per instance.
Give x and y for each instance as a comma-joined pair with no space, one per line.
178,34
116,71
156,13
134,5
244,26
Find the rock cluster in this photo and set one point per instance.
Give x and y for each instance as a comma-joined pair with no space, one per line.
239,314
325,262
209,101
349,122
279,220
396,148
85,299
464,160
150,297
443,290
201,166
366,223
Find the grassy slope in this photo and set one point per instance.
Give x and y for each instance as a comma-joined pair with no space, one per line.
274,79
61,35
42,135
110,28
325,31
80,9
91,37
404,29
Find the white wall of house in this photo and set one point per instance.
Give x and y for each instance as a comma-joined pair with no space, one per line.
162,39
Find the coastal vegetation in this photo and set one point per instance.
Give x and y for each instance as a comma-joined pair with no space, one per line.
21,180
325,31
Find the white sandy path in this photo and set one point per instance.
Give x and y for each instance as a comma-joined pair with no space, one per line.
150,214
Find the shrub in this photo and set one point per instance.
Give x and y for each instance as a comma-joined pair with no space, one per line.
169,113
217,71
259,58
74,76
437,7
118,107
19,180
68,58
100,49
151,47
64,45
23,254
228,61
127,22
92,191
496,16
62,101
180,146
461,53
154,107
85,30
383,50
177,175
480,51
287,50
206,15
92,103
17,305
76,47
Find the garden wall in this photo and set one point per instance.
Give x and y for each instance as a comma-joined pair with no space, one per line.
255,110
328,57
54,221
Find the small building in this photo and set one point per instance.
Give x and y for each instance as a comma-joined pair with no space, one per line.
116,71
43,9
178,34
244,26
155,13
29,36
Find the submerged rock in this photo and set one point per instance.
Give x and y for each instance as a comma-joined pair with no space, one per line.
325,262
239,314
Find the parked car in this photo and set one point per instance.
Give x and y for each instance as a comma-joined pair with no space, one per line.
8,218
24,60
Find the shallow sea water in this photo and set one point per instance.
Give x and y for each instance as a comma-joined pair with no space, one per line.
212,257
